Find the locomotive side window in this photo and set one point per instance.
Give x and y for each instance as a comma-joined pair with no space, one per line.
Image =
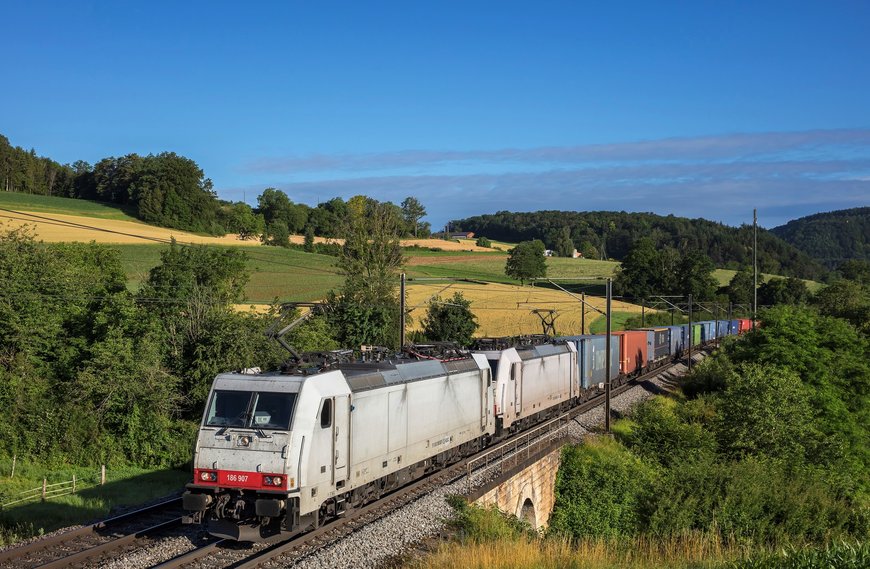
326,414
247,409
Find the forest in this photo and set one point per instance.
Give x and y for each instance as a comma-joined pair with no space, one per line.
831,237
610,235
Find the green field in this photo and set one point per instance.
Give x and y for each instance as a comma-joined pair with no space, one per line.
125,486
68,206
724,277
293,275
286,274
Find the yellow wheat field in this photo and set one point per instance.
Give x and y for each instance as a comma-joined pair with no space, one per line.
59,228
506,310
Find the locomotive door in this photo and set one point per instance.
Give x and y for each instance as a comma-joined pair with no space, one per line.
341,438
517,376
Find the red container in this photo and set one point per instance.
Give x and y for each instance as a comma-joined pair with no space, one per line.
632,350
745,325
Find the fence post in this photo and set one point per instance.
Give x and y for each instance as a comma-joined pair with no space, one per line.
103,475
44,486
74,484
14,458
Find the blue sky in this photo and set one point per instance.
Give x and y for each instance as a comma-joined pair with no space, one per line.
701,109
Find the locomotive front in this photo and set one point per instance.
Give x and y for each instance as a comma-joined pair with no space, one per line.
243,480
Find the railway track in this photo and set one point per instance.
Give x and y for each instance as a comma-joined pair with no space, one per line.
100,541
96,544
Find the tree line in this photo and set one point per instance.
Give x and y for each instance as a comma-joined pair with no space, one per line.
172,191
611,235
832,237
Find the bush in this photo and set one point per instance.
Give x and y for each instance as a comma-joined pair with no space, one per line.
600,488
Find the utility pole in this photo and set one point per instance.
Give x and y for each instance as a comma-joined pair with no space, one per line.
402,312
607,358
582,313
690,333
754,266
643,313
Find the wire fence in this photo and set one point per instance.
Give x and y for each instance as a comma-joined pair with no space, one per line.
56,489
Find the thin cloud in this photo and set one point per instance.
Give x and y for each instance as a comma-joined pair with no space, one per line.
723,147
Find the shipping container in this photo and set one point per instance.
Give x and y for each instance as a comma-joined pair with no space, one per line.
591,353
708,330
658,343
632,350
678,339
722,328
745,325
733,327
697,334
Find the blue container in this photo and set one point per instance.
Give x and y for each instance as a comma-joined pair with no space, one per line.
733,327
678,338
708,330
590,357
722,328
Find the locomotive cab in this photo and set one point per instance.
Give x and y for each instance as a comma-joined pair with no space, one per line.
256,433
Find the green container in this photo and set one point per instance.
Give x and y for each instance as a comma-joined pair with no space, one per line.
696,334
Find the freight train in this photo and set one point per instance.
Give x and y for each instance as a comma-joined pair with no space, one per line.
281,452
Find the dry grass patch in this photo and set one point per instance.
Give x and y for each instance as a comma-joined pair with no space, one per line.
62,228
505,310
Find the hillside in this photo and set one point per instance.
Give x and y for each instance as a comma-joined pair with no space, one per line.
608,234
831,237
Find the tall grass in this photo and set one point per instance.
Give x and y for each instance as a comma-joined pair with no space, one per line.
691,551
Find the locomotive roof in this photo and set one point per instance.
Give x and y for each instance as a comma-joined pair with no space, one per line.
361,376
542,350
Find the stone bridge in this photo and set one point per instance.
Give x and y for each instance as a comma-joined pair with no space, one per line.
526,489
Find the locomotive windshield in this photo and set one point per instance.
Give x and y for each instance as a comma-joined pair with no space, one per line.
251,409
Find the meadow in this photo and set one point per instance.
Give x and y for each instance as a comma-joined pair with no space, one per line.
125,486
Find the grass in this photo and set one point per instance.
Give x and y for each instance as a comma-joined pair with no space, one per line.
724,276
599,325
69,206
125,486
287,274
694,551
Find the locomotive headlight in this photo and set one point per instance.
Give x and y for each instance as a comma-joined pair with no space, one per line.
244,441
208,476
272,480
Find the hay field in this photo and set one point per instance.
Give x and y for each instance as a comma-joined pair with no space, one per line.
505,310
59,227
55,227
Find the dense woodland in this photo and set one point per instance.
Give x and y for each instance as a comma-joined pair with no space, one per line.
610,235
831,237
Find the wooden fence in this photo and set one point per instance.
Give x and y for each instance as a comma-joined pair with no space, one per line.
55,489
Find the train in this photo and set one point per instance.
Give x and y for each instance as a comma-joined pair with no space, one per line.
281,452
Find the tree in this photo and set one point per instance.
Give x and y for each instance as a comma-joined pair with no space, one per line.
240,218
588,250
526,261
695,276
308,244
741,286
782,291
483,242
276,208
365,310
412,211
638,277
450,321
564,245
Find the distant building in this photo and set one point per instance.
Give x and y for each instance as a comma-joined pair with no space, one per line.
461,235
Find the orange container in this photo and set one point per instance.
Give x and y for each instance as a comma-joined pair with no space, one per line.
632,350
